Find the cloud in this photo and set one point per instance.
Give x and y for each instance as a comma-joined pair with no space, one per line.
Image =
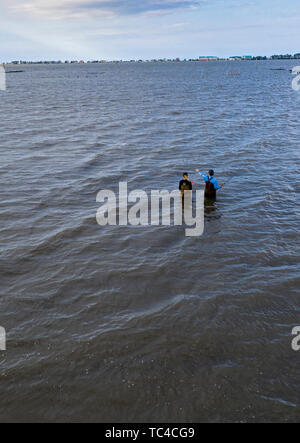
79,8
137,6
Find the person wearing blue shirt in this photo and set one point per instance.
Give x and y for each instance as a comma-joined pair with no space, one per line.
211,184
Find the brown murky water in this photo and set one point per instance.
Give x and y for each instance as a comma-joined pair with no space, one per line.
143,324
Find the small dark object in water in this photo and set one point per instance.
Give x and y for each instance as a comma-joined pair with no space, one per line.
277,69
13,72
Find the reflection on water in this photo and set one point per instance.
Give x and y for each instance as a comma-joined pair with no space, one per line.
211,210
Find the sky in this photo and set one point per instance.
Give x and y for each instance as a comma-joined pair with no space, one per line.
146,29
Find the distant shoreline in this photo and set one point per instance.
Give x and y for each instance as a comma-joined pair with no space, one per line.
164,60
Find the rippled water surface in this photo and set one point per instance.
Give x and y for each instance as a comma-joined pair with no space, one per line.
143,323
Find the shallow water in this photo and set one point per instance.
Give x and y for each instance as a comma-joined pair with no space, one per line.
143,323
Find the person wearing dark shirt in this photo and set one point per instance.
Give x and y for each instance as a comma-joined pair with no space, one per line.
185,184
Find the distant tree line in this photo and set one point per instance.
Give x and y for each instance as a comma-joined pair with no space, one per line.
285,57
238,58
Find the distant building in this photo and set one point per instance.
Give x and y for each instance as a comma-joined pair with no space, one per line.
208,58
241,57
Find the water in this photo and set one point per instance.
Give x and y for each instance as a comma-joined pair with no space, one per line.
142,324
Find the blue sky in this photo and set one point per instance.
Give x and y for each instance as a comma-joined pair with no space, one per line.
133,29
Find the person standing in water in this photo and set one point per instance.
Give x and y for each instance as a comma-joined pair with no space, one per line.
185,184
211,184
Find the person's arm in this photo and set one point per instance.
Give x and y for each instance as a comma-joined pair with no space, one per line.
217,187
202,175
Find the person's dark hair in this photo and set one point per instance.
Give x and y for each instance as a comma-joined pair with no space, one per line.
185,174
211,172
